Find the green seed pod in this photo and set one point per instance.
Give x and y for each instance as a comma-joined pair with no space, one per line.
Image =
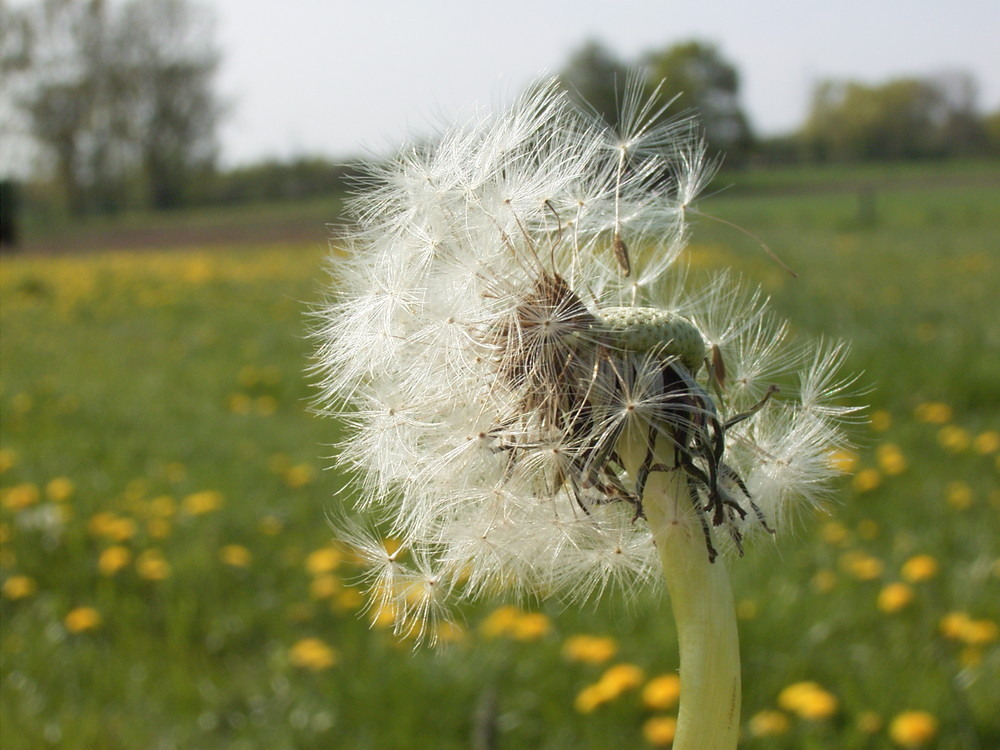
646,329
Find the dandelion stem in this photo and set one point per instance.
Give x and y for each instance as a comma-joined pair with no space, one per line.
705,615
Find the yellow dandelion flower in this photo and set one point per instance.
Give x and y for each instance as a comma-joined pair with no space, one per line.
953,625
913,728
881,420
834,533
8,459
861,565
530,626
238,403
348,599
769,723
450,632
824,580
152,566
987,442
622,677
809,700
662,693
323,560
499,622
162,506
19,496
890,459
202,502
247,377
312,654
919,568
844,460
958,494
866,480
660,730
81,619
59,489
324,586
19,587
592,697
265,405
236,555
300,475
113,559
590,649
894,597
933,412
980,632
953,438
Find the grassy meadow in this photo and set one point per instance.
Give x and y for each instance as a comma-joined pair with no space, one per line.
167,577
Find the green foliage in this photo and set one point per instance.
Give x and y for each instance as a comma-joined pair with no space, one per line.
154,403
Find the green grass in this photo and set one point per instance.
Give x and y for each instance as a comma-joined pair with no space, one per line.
147,378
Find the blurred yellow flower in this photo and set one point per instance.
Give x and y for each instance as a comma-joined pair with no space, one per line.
300,475
913,728
662,693
202,502
113,559
933,412
622,677
824,580
152,566
312,654
660,730
881,420
593,696
894,597
19,587
844,460
270,525
82,618
238,403
110,526
834,532
530,626
19,496
958,494
919,568
59,489
499,622
890,459
8,459
953,438
324,586
590,649
323,560
236,555
866,480
861,565
987,442
769,723
266,405
158,528
162,506
809,700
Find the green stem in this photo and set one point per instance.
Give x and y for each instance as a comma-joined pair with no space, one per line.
702,601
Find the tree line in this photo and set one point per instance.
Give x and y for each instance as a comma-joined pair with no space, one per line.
120,100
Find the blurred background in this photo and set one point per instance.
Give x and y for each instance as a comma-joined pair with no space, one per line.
168,172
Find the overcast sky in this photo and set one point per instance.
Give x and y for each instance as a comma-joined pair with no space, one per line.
341,77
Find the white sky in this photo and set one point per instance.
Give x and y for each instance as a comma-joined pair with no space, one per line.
341,77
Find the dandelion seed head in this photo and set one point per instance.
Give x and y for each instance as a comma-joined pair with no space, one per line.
515,346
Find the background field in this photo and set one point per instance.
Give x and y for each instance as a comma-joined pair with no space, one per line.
167,574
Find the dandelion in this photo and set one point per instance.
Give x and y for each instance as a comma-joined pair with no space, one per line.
539,403
809,700
19,587
82,619
894,597
113,559
202,502
152,566
235,555
913,729
769,723
662,693
589,649
919,568
312,654
660,730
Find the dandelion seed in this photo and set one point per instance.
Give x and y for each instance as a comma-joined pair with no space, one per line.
535,393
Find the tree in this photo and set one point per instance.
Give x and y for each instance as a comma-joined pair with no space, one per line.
119,96
696,77
595,79
904,118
